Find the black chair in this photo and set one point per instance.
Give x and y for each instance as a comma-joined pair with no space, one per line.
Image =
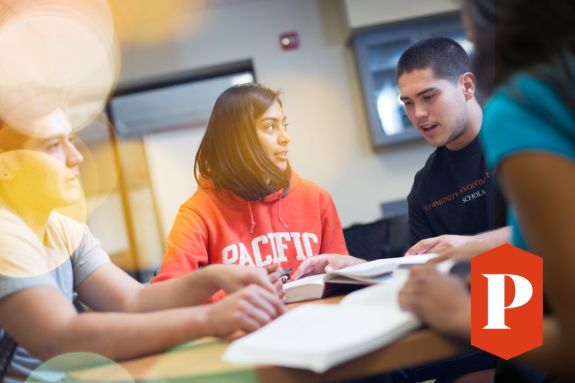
384,238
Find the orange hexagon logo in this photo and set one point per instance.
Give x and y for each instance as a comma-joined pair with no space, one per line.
506,301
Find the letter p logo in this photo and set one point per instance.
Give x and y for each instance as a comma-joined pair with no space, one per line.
506,301
496,298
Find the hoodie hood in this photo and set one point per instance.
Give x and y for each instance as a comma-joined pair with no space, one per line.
276,197
229,197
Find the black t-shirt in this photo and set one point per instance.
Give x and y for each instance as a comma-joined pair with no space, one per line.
454,193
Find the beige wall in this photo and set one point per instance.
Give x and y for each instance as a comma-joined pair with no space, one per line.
363,13
330,137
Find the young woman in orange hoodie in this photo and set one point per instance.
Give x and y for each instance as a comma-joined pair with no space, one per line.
251,208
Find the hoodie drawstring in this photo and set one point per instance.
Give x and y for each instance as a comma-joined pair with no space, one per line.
280,213
252,220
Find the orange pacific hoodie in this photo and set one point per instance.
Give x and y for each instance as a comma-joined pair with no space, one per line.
220,227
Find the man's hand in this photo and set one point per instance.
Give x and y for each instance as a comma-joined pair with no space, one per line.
247,310
440,245
232,278
324,263
440,300
465,251
461,246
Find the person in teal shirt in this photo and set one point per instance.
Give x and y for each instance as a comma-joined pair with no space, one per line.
525,61
528,116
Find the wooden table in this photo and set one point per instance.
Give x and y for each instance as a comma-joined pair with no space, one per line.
201,361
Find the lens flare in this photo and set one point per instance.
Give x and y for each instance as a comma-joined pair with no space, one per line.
60,62
61,45
98,172
80,366
33,185
158,21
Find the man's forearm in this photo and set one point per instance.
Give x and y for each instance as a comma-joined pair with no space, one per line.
497,237
122,335
192,289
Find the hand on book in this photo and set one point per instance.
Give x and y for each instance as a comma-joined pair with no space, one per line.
276,277
232,278
441,244
442,301
465,251
324,263
247,309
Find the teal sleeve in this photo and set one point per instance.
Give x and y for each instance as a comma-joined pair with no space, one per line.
526,115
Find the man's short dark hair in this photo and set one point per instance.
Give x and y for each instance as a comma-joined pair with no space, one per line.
443,55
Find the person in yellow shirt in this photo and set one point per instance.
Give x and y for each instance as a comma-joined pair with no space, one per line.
47,259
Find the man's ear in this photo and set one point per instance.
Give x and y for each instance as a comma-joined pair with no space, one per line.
6,169
5,175
467,81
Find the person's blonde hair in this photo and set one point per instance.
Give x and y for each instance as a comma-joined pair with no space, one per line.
22,105
11,139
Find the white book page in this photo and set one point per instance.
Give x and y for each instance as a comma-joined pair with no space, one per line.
414,259
367,269
387,293
382,266
311,280
317,337
379,295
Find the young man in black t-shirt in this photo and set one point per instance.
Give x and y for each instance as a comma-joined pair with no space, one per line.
452,197
451,203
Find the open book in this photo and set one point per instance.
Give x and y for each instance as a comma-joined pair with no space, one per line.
319,336
350,278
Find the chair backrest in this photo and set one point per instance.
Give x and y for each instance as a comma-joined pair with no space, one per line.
397,235
396,214
366,241
384,238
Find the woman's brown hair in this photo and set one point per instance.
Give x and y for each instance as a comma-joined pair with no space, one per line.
230,155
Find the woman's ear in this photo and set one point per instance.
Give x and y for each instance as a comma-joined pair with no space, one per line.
467,81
